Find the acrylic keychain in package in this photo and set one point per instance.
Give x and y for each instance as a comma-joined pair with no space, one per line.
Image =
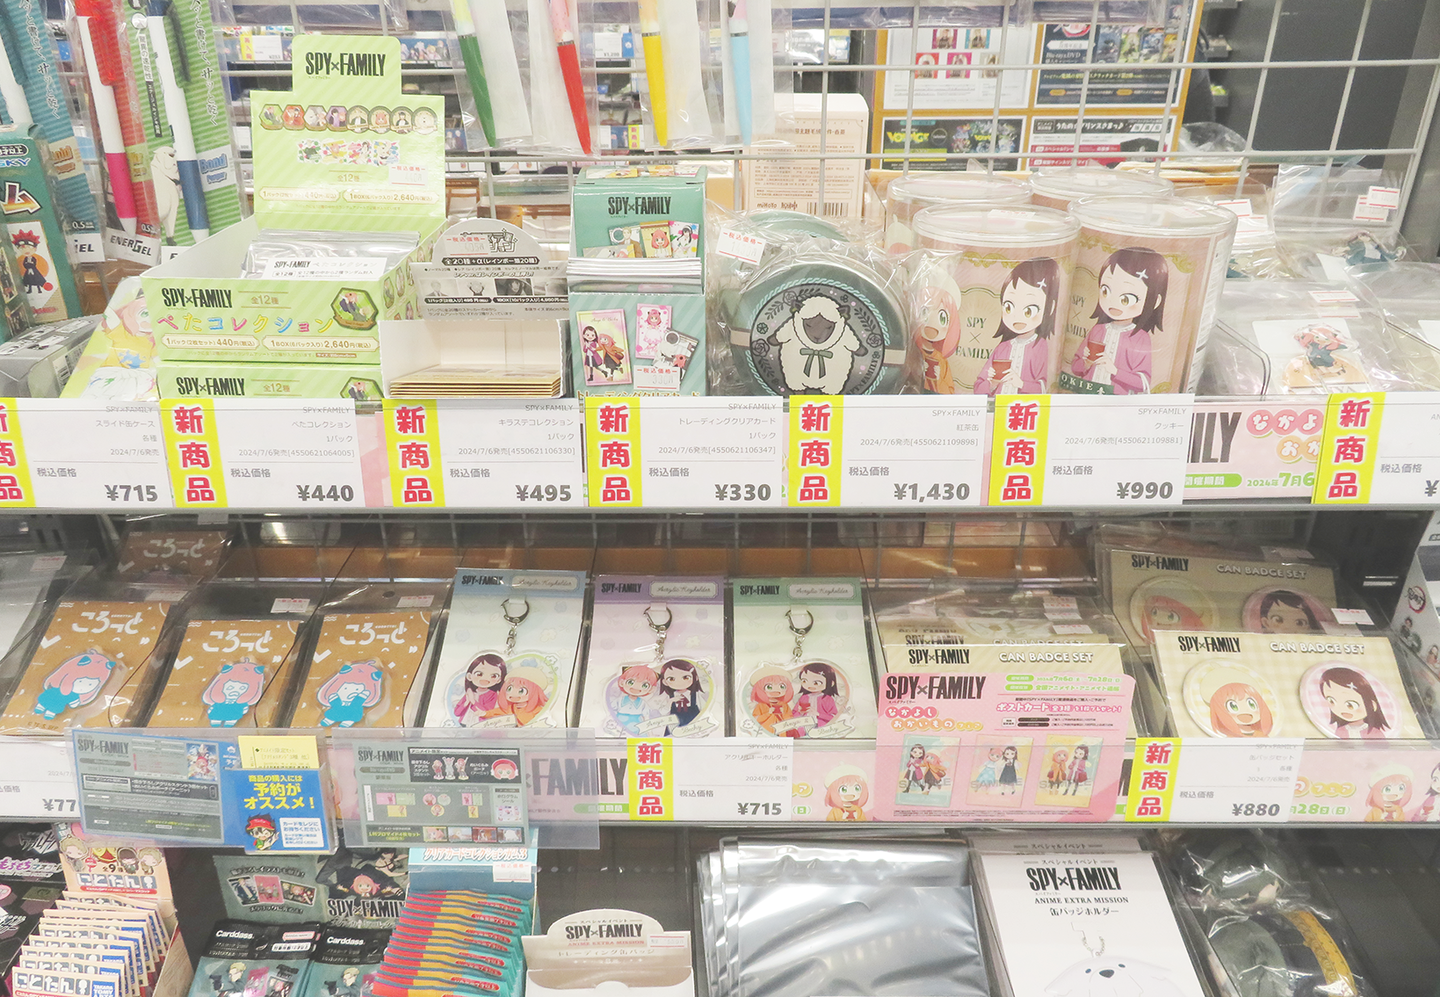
510,645
801,651
656,665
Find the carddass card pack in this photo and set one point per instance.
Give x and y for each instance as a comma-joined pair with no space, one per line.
802,658
81,664
254,960
344,962
656,664
455,941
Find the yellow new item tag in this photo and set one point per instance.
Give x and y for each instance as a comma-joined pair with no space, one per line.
1348,449
1017,450
192,449
412,446
613,471
816,438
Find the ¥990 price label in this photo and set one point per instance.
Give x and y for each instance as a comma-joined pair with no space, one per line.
1114,450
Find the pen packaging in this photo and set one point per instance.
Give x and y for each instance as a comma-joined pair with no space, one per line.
34,226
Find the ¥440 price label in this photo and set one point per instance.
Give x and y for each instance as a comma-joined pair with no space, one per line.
325,493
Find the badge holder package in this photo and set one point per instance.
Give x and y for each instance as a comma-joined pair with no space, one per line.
371,657
1323,222
1302,337
238,652
795,918
1265,915
95,661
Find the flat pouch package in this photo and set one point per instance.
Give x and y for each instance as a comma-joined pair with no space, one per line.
344,963
656,666
246,960
510,648
801,654
363,669
223,670
868,918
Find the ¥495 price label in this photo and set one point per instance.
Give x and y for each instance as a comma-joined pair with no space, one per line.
903,450
512,454
563,494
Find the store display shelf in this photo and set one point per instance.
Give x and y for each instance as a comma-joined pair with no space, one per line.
918,454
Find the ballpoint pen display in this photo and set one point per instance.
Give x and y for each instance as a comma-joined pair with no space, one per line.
162,16
740,63
502,71
102,65
17,105
655,69
474,67
570,67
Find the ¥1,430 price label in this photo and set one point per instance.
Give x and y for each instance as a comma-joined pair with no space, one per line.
914,451
512,454
712,453
732,779
1112,450
92,454
289,454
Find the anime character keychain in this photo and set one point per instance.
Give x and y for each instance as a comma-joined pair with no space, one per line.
352,690
235,688
75,684
665,696
809,698
503,689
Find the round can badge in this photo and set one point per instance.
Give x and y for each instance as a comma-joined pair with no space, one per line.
820,328
1226,699
1280,610
1170,604
1349,703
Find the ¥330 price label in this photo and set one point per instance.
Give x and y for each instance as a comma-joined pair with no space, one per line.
512,454
712,453
914,451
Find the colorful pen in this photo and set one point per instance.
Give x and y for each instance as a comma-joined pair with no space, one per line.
474,67
101,43
740,63
178,112
655,69
570,67
17,105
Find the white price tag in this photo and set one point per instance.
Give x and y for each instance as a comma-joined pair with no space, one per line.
914,450
409,175
733,779
1367,212
1235,782
1071,628
290,454
712,453
512,454
1241,206
739,246
415,602
39,779
1352,616
325,267
1383,197
290,605
1407,455
1117,450
92,454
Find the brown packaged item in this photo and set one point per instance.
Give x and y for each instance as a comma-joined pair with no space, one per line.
179,554
362,670
225,672
82,664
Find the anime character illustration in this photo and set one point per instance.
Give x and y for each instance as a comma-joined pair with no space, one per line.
636,683
400,120
484,677
348,693
1390,789
1029,300
75,684
230,982
522,696
366,882
652,322
680,686
235,688
988,777
934,774
683,241
165,175
1116,354
200,762
1110,976
129,862
263,832
424,121
1161,612
1408,637
915,769
1429,809
348,985
772,693
590,347
846,793
33,266
938,335
271,118
1354,707
315,118
1321,365
1009,779
819,694
380,120
1076,774
438,768
1238,710
1285,612
359,118
336,120
612,360
817,347
1059,765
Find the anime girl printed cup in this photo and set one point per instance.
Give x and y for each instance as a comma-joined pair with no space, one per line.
1349,703
1061,188
1226,699
1147,282
907,196
994,298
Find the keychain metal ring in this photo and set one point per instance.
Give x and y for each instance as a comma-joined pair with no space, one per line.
799,631
659,628
512,619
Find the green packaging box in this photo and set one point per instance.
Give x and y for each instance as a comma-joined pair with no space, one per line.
182,379
649,212
322,163
33,225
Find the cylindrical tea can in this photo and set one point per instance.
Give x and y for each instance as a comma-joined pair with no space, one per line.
994,296
907,196
1147,281
1062,188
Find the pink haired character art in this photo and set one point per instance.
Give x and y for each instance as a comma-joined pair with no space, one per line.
74,684
938,334
348,693
235,688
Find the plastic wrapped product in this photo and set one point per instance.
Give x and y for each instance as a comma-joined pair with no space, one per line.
1254,253
1146,283
908,195
1324,220
1409,295
273,250
818,323
344,962
1317,338
1059,188
993,299
242,959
